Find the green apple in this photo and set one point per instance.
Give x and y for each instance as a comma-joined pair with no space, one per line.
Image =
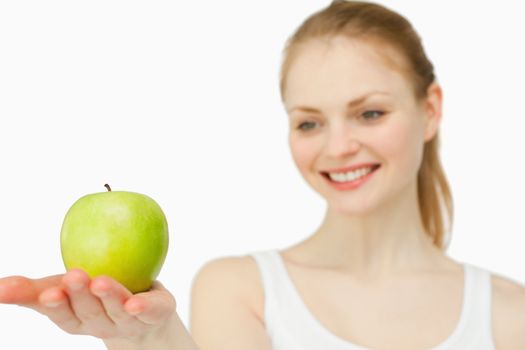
119,234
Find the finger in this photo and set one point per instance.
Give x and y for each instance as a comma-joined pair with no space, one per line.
55,305
112,295
24,291
85,305
152,307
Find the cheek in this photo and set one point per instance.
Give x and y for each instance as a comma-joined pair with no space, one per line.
303,152
401,144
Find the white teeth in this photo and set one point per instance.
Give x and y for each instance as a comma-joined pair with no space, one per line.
350,176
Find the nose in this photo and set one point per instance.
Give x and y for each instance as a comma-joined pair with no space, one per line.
341,141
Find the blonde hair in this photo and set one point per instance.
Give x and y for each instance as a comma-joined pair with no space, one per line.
374,22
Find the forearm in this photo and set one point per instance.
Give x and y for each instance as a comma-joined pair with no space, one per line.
173,336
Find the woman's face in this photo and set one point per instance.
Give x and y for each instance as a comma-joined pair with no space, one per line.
348,107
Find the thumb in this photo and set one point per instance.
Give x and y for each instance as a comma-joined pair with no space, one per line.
152,307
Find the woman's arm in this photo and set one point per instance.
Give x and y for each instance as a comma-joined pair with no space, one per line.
508,313
222,306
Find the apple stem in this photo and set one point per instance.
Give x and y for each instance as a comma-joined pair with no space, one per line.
107,186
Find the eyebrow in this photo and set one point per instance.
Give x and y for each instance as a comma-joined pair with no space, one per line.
351,104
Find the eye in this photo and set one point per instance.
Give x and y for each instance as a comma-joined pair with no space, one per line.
372,114
306,126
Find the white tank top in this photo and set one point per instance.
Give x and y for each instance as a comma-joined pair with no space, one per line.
291,326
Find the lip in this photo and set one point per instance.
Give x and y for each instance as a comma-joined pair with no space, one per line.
351,168
345,186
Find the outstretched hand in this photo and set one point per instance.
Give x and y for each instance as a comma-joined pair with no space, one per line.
100,307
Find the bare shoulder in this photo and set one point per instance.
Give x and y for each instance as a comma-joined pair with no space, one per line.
508,313
239,275
241,264
226,304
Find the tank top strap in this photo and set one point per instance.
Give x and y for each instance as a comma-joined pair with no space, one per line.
274,279
476,332
474,329
288,322
272,282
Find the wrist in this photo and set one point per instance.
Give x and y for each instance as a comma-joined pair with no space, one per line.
172,335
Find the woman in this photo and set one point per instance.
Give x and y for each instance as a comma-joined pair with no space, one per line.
364,109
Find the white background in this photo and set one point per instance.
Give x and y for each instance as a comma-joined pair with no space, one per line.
179,101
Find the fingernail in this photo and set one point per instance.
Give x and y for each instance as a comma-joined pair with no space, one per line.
52,304
134,312
75,286
100,293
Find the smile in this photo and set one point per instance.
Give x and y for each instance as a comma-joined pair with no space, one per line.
351,179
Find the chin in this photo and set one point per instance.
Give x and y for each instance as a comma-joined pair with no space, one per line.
351,209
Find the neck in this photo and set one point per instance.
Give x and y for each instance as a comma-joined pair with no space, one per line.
387,241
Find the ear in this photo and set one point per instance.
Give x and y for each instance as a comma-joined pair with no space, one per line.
432,108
